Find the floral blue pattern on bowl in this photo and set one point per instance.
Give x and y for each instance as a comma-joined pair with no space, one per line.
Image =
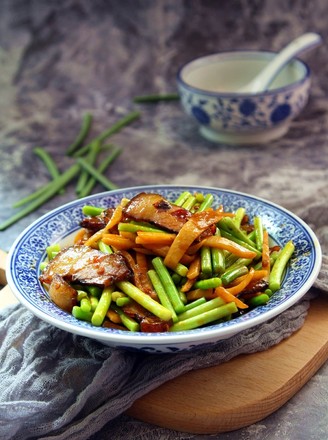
28,252
208,90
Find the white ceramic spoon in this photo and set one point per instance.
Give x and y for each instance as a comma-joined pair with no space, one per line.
261,82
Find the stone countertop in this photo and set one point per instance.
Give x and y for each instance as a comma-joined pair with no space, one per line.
61,60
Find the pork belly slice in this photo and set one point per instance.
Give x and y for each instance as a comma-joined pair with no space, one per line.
148,322
97,222
153,208
62,294
84,265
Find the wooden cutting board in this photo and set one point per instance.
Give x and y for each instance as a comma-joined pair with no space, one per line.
238,393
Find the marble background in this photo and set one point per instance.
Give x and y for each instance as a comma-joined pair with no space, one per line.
59,59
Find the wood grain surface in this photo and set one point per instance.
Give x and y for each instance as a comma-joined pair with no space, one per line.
244,390
235,394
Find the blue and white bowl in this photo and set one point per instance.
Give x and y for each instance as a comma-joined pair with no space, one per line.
61,224
208,89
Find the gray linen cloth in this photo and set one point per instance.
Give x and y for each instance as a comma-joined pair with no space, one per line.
61,386
55,385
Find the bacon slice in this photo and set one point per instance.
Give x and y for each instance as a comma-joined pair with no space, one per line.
255,287
84,265
62,294
98,221
153,324
153,208
148,322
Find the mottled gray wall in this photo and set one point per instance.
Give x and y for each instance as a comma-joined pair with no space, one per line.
107,50
61,58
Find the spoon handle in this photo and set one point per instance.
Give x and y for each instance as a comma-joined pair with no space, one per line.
300,44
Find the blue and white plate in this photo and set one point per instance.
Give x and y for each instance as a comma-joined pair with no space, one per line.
28,252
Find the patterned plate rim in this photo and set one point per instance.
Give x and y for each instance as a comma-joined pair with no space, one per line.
67,322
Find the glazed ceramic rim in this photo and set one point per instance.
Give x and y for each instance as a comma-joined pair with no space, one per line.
138,339
235,54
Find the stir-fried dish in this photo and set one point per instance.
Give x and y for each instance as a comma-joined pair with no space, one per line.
153,265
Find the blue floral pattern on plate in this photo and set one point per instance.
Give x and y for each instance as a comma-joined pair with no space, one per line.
28,252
